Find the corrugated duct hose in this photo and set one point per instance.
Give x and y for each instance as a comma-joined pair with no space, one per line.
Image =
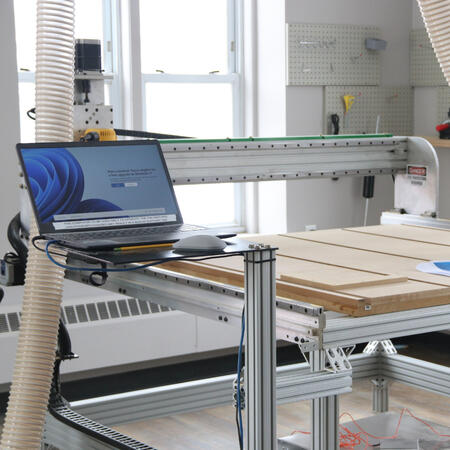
35,355
436,15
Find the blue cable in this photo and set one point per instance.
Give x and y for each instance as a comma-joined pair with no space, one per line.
94,269
239,368
128,269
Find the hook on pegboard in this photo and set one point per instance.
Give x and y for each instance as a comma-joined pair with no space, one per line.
353,59
392,97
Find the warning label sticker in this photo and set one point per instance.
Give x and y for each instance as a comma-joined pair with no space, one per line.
417,174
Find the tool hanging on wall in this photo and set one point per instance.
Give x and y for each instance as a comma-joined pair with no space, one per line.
348,103
444,128
368,188
334,124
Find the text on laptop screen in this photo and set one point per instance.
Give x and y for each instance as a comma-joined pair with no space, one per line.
87,187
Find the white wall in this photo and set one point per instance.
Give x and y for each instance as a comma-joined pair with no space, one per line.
271,105
328,203
9,121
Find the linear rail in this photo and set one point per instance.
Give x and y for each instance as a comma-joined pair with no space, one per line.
342,331
259,159
297,322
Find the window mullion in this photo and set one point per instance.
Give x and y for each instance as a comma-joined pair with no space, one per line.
131,65
232,44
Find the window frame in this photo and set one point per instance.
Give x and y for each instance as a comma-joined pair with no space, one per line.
233,78
127,84
110,60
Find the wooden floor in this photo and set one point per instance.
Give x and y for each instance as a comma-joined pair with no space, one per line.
215,428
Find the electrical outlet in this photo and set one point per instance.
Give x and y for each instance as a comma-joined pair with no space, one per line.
310,227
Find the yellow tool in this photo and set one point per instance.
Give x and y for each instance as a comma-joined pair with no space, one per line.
348,103
99,134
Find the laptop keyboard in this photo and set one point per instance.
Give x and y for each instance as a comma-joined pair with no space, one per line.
102,234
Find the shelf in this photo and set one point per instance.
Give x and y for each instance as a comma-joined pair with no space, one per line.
436,142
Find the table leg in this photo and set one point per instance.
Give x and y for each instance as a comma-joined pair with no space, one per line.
260,350
380,395
324,413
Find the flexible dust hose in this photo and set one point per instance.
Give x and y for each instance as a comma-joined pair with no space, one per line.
35,355
436,15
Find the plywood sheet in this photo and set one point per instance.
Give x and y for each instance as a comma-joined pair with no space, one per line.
309,273
339,279
351,258
380,244
407,232
359,271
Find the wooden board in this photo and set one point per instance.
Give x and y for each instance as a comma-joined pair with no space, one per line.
407,232
351,258
379,244
336,279
359,271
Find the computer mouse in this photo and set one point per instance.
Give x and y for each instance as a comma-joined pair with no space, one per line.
199,242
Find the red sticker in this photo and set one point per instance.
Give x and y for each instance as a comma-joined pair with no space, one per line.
420,171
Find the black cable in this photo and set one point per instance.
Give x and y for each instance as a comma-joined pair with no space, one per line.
32,111
15,240
10,257
238,430
239,405
147,134
64,342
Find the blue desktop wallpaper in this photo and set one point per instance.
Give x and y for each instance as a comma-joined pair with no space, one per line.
78,183
57,182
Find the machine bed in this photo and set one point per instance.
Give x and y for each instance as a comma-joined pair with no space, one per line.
356,271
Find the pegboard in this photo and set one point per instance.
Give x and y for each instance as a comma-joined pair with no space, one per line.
393,104
330,55
424,67
443,104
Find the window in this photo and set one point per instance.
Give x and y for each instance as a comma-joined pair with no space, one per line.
190,78
93,20
191,87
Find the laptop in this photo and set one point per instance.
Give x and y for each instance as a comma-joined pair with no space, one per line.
104,195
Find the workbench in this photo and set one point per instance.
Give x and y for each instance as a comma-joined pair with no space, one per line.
335,288
356,271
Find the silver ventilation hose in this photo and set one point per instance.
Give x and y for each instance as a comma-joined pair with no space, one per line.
436,15
35,355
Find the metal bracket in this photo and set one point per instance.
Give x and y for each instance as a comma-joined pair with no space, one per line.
385,347
336,359
380,383
241,391
380,394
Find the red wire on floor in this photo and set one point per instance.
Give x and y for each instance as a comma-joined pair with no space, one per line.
350,440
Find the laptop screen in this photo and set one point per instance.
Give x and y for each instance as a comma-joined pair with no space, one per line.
98,185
